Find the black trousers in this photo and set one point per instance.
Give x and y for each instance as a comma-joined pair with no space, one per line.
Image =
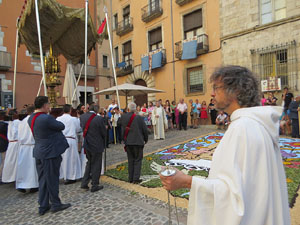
92,169
48,173
213,116
135,157
295,128
182,120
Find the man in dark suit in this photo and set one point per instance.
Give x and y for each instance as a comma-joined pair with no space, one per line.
50,143
94,131
293,107
136,139
3,141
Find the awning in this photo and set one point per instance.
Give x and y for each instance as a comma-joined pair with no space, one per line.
60,25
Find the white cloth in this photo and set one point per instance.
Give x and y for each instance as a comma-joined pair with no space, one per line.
10,163
70,166
112,106
26,176
221,117
160,123
246,184
182,107
114,119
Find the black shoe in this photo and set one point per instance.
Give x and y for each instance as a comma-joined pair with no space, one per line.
42,212
21,190
137,181
33,190
85,187
69,182
96,188
61,207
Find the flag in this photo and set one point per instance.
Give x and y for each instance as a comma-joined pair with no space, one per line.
102,26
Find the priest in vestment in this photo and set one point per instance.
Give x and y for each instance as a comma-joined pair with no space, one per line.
26,177
159,121
70,169
246,183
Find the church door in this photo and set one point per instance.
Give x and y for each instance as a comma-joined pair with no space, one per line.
141,99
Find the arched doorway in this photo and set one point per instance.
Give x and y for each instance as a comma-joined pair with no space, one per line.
141,99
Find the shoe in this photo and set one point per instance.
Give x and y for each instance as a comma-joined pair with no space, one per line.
21,190
96,188
85,187
33,190
42,212
61,207
69,182
137,181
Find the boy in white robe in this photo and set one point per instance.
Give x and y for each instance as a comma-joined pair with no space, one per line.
70,169
159,121
26,176
246,183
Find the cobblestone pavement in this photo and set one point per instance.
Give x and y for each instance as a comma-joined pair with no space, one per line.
112,205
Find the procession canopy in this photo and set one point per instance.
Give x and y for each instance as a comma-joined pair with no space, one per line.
60,25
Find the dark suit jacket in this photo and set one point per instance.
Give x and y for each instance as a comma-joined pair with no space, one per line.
95,137
138,133
3,131
49,139
293,110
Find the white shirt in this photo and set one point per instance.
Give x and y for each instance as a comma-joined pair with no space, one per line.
221,117
182,107
111,106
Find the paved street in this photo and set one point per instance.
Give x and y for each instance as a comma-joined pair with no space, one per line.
112,205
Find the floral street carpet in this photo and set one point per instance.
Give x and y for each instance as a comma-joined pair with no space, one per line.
201,150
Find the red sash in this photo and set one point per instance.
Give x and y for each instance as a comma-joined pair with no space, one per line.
127,129
3,137
33,120
87,125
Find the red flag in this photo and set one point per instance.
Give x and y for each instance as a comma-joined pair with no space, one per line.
101,28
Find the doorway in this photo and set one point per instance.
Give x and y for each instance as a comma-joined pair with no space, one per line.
141,99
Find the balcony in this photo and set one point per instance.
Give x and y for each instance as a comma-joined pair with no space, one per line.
124,68
124,27
91,71
157,60
202,46
182,2
152,11
5,61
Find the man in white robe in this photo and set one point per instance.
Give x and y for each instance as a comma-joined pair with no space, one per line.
70,169
10,163
26,177
246,183
159,121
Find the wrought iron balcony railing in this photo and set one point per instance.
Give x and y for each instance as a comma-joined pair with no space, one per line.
152,11
124,68
202,46
5,61
182,2
124,27
152,53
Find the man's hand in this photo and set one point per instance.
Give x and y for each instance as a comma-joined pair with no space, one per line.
177,181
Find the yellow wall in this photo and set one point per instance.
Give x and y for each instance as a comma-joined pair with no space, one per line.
164,76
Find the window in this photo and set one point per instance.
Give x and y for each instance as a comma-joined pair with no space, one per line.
117,55
272,10
154,5
192,24
107,97
127,54
115,22
155,39
195,79
105,61
126,16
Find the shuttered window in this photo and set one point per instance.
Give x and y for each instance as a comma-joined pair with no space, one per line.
127,51
155,39
192,20
195,79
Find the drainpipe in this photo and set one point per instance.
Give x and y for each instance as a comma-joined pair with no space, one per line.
173,59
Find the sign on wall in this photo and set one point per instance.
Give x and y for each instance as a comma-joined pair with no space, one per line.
271,84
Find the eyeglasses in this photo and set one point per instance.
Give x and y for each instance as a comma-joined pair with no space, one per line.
217,87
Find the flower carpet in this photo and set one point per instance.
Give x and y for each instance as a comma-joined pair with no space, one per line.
201,150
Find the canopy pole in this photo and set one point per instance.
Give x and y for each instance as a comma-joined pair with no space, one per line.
112,56
40,44
15,67
77,84
85,53
41,83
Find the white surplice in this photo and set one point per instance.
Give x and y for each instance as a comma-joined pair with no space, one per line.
26,176
10,163
159,123
246,184
70,166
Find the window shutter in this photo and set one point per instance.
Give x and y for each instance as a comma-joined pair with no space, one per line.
155,36
192,20
127,48
126,11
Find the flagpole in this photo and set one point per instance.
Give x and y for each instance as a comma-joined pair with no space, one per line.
15,67
112,57
85,53
40,44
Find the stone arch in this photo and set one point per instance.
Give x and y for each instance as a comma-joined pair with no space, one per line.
148,78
